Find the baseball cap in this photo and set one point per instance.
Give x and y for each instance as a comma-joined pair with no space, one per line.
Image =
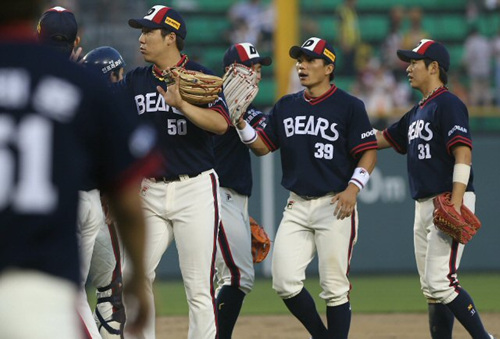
58,27
161,17
429,49
316,48
246,54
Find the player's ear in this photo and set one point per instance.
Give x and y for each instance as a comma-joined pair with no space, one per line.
329,69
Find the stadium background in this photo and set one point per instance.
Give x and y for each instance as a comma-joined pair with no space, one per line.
385,208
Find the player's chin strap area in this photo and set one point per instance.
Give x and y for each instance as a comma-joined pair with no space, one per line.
112,293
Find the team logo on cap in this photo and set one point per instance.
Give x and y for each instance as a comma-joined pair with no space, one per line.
171,22
422,46
247,51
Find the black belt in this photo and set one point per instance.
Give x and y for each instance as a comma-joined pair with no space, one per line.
174,177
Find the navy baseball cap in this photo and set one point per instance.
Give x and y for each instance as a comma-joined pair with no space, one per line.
246,54
427,49
161,17
58,27
315,48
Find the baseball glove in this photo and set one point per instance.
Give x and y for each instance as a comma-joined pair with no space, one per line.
195,87
240,89
460,226
261,244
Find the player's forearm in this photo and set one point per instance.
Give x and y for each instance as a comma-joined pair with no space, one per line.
127,209
368,160
205,118
461,173
381,140
249,136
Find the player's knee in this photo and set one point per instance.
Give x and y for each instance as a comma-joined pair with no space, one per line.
286,288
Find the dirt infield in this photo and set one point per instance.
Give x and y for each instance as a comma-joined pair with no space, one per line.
363,326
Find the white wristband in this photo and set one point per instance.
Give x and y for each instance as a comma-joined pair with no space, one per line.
360,177
461,173
247,134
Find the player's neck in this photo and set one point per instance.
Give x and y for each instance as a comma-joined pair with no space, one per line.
318,90
430,88
170,59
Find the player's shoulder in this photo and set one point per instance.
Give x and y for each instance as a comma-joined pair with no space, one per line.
449,99
141,71
195,66
347,97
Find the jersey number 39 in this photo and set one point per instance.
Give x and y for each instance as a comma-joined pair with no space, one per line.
323,151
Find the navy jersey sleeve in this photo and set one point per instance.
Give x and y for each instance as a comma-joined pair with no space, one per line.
254,117
454,124
117,140
397,134
269,131
361,135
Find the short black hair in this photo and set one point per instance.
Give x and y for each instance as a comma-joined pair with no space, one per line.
179,42
443,76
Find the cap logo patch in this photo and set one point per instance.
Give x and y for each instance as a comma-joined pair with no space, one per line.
422,46
311,43
250,50
329,55
171,22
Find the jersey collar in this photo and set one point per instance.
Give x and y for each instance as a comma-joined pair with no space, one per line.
432,95
314,101
159,74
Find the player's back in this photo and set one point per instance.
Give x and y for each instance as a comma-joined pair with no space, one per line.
52,118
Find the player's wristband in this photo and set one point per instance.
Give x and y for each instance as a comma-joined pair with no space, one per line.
247,134
461,173
360,177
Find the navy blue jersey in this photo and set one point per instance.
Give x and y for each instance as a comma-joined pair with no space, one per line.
57,125
427,134
232,157
187,149
320,140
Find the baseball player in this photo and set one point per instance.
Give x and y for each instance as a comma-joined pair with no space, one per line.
328,151
436,137
235,270
58,28
105,266
182,201
49,143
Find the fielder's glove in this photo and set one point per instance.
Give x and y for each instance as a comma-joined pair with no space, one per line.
461,227
240,89
261,244
195,87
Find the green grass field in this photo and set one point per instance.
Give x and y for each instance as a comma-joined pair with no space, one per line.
370,294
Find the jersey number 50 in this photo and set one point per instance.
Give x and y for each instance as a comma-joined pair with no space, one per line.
31,142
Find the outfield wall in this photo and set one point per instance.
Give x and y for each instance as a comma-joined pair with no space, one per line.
386,211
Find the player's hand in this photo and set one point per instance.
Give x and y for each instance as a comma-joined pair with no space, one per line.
345,202
75,55
138,303
172,95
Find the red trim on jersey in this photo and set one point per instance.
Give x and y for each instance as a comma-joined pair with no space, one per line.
457,140
392,142
215,194
424,47
364,146
266,139
242,53
219,108
437,93
228,257
258,122
317,100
